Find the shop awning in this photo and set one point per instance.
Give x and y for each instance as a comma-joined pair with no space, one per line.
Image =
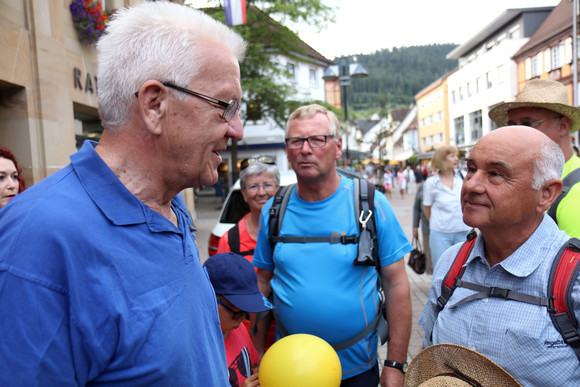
404,155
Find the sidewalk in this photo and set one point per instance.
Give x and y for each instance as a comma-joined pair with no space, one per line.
420,284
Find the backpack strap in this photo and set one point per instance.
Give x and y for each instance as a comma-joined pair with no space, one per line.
234,242
569,181
564,272
234,238
456,271
275,224
277,213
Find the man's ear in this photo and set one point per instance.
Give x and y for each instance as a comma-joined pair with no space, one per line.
152,105
550,192
338,147
564,125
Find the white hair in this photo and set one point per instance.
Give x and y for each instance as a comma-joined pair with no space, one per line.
154,40
548,164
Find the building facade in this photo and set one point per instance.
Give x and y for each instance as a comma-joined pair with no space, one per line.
486,73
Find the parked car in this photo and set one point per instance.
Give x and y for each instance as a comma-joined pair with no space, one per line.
234,209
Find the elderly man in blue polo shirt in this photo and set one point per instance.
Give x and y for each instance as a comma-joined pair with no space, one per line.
100,278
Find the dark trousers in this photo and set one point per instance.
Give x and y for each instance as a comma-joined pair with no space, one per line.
369,378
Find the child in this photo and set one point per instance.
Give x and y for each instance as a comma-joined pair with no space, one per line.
236,288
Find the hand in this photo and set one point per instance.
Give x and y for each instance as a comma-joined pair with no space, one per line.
252,381
392,377
415,232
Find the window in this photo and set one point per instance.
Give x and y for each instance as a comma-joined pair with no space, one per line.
515,32
469,89
459,131
253,112
500,74
313,79
476,125
535,65
557,54
453,97
477,85
291,67
461,93
489,79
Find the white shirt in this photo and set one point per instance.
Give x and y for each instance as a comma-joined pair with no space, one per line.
446,214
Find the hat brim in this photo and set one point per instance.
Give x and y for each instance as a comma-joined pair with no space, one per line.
253,303
499,114
441,359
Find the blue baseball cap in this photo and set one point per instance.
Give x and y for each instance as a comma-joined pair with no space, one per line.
233,277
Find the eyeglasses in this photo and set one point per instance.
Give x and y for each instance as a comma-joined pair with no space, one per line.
230,108
245,163
532,123
268,187
317,141
235,315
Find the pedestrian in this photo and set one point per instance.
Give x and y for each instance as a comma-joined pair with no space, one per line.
410,175
419,218
11,179
401,181
100,275
513,178
388,183
234,281
544,105
442,202
317,288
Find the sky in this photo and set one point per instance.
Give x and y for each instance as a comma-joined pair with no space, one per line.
366,26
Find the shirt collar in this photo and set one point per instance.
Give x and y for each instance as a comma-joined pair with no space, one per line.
118,204
526,259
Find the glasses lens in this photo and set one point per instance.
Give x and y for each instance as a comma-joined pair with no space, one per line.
294,142
317,141
230,110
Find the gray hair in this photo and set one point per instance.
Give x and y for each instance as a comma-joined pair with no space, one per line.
548,164
309,111
155,40
257,168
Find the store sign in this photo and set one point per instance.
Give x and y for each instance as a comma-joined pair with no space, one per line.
87,83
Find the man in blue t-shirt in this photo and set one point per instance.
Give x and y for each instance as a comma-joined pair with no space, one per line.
316,287
100,278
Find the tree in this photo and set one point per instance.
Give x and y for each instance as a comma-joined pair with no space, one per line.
264,94
267,38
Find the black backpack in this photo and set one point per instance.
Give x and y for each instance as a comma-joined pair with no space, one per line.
234,242
565,269
367,245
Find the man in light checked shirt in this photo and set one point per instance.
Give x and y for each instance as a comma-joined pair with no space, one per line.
513,178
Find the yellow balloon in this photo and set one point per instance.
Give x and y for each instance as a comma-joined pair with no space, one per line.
300,360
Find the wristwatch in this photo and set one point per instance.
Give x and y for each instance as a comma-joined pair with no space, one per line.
400,366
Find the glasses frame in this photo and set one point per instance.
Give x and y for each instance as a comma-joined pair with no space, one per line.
230,108
536,123
307,139
235,315
263,186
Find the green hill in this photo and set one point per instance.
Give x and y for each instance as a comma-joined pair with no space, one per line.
396,75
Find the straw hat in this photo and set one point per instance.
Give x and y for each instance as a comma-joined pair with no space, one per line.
453,365
539,93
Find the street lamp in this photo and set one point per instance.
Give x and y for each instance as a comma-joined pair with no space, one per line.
344,72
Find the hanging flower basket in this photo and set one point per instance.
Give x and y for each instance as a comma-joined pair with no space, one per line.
89,20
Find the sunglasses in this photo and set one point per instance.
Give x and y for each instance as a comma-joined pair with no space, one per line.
245,163
235,315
